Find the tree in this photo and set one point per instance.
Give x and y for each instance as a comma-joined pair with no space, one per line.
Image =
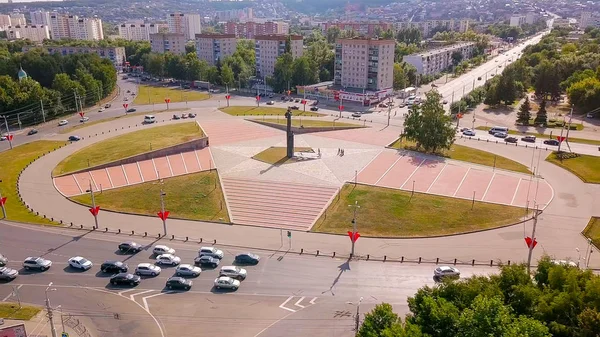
283,72
400,77
383,322
456,58
524,113
68,88
227,75
409,35
333,33
428,125
547,80
486,317
585,93
303,72
541,118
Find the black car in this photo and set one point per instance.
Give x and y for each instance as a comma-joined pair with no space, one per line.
551,142
295,107
176,117
314,108
74,138
191,115
32,132
3,260
297,100
510,139
131,110
114,267
176,282
207,261
247,258
130,247
125,279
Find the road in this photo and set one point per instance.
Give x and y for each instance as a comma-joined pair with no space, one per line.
278,298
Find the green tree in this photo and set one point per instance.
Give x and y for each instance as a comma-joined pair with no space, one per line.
227,75
491,96
322,57
524,113
409,36
585,93
547,80
303,72
381,318
155,64
212,75
457,57
428,125
333,33
541,117
67,88
486,317
400,77
283,72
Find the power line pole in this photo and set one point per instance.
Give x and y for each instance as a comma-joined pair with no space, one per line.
75,95
2,204
43,113
354,225
357,318
8,135
531,245
50,313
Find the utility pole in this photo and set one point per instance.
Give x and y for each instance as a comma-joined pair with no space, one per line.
354,225
94,206
568,128
357,318
535,218
589,253
162,209
75,95
43,113
49,309
8,132
389,111
2,204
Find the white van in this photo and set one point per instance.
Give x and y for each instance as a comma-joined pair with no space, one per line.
497,129
149,119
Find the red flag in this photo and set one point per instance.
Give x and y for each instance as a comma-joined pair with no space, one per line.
257,97
95,210
10,137
227,97
303,101
167,100
341,107
125,105
530,242
2,201
163,216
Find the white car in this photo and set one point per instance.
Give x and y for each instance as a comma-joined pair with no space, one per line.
84,119
147,269
63,122
446,271
211,251
188,270
233,272
469,132
589,115
161,249
168,259
356,114
225,282
101,110
79,262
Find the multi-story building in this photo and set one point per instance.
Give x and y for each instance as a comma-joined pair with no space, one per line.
362,28
437,60
88,29
588,20
40,18
18,19
213,47
168,42
64,26
35,33
250,29
234,14
137,31
428,27
115,54
517,20
364,68
269,47
187,24
5,20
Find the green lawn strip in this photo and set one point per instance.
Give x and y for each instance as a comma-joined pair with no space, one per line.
12,311
196,196
545,136
471,155
260,111
156,95
128,145
100,121
592,231
278,155
307,123
14,161
393,213
586,167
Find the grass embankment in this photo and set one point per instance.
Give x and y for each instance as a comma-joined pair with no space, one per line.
196,196
544,136
156,95
592,231
12,311
13,161
586,167
266,111
128,145
465,153
311,123
278,155
393,213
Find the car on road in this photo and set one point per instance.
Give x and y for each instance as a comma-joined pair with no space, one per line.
131,110
356,114
469,132
125,279
81,263
3,138
114,267
192,115
188,270
184,116
446,271
445,101
224,282
37,263
147,269
101,110
32,132
176,117
479,78
247,258
8,273
233,272
553,142
211,251
297,100
511,139
528,139
84,119
162,249
294,107
168,259
149,119
314,108
175,282
130,247
500,134
207,261
589,115
270,102
125,99
3,260
74,138
107,105
63,122
382,105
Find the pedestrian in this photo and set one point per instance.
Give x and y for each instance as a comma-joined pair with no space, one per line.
319,151
339,151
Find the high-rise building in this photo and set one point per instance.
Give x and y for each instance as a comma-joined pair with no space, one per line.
368,29
35,33
4,20
588,20
89,29
40,18
137,31
187,24
18,19
437,60
250,29
115,54
168,42
213,47
243,14
64,26
269,47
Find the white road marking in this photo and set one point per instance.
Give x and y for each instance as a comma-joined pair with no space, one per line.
461,182
436,178
198,159
313,300
298,302
146,297
125,174
109,178
184,165
386,171
139,170
282,306
412,174
120,293
512,201
488,187
11,293
131,297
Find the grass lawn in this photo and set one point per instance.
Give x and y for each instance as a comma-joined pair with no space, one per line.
149,94
128,145
278,155
543,136
586,167
389,212
260,111
13,161
196,196
12,311
307,123
592,231
465,153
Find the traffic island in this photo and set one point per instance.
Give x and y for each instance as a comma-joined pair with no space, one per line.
585,167
156,95
592,231
18,311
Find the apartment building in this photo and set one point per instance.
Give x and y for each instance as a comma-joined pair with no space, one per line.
115,54
519,20
363,28
168,42
88,29
184,23
137,31
64,26
35,33
364,68
250,29
588,20
17,19
437,60
213,47
269,47
427,27
40,18
242,14
5,20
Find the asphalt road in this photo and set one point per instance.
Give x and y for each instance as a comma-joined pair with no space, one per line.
310,294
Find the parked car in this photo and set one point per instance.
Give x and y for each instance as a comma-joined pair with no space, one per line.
168,259
211,251
114,267
38,263
224,282
147,269
184,116
511,139
207,261
8,273
382,105
81,263
529,139
130,247
553,142
107,105
314,108
233,272
188,270
125,99
294,107
247,258
84,119
446,271
176,117
178,283
63,122
500,134
131,110
297,100
101,110
192,115
270,103
3,260
162,249
74,138
469,133
589,115
32,132
125,279
479,78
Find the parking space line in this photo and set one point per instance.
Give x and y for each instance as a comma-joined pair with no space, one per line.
184,165
461,182
131,297
146,297
298,302
282,305
125,174
12,293
436,178
488,187
388,170
413,173
512,201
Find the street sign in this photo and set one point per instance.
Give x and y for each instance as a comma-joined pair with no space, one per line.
530,242
167,100
353,236
341,107
303,102
163,216
227,97
95,210
289,234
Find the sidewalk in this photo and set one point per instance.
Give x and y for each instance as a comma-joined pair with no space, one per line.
39,326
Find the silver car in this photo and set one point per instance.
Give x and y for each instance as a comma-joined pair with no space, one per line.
161,249
233,272
168,259
8,273
188,270
225,282
147,269
37,263
446,271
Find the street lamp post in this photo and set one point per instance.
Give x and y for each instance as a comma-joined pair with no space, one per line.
354,225
91,191
589,253
7,132
578,256
49,309
357,317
